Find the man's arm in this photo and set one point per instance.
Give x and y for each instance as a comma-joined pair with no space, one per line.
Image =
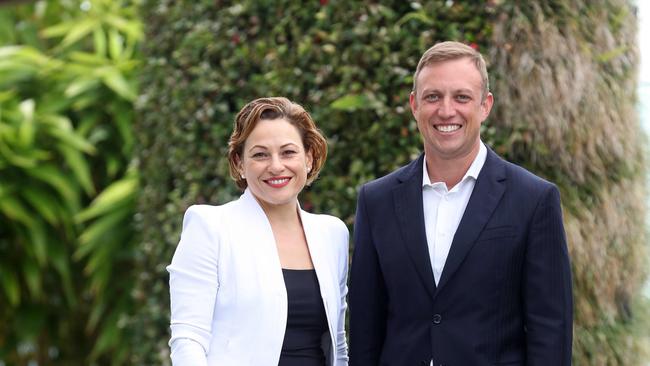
367,299
548,299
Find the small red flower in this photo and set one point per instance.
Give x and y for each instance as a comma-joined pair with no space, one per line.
474,46
324,2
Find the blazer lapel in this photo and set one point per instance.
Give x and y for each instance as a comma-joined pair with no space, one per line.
408,206
486,195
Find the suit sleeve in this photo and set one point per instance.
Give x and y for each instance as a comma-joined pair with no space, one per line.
548,301
193,283
368,299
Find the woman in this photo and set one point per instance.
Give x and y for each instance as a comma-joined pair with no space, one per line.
258,281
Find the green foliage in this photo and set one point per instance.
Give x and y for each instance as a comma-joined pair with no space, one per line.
349,63
67,195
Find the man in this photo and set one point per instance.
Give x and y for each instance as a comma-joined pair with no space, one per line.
460,257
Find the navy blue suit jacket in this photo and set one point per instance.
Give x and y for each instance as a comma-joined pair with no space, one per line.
504,296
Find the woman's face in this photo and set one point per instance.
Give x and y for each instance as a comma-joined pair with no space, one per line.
275,163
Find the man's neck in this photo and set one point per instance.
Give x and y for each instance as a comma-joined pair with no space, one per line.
450,171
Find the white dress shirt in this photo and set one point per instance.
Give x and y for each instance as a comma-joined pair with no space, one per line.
443,209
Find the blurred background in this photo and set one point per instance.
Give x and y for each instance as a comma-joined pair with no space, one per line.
114,118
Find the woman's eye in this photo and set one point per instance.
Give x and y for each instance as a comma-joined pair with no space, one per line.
259,155
289,152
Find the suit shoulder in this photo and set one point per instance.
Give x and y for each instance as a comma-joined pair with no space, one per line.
388,181
525,178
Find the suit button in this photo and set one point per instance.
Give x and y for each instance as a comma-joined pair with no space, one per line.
437,318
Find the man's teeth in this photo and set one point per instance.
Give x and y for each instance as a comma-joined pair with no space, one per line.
278,181
447,128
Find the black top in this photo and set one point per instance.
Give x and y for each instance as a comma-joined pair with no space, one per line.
306,320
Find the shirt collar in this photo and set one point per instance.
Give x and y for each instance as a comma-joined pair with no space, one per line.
472,172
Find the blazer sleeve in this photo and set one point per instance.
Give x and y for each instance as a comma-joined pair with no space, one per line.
343,248
548,302
368,297
193,283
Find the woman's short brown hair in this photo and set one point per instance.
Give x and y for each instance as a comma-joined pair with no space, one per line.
269,109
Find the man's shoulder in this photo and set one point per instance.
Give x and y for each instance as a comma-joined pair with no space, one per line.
394,178
522,177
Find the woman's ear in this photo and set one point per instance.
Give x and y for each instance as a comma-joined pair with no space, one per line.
310,161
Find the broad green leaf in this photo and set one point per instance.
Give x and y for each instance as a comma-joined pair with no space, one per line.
108,338
81,85
68,136
16,210
112,197
99,41
101,228
419,16
46,205
10,285
96,314
38,241
89,59
351,102
116,44
79,166
6,153
33,280
80,29
116,82
58,30
62,183
26,130
59,259
131,27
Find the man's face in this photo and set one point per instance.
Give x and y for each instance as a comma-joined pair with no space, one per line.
449,109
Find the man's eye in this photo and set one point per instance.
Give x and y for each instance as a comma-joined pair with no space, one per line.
431,97
463,98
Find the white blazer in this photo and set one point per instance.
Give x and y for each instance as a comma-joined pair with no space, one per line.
228,298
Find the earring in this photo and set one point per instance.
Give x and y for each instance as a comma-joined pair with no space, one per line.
242,176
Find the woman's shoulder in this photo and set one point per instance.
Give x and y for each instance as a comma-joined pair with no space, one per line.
327,222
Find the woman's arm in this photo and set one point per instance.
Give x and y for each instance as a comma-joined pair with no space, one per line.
193,283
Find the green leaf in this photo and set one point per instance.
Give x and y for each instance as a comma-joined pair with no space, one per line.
116,82
10,285
80,86
46,205
26,130
59,259
112,197
38,241
99,41
116,44
70,138
79,30
79,166
58,30
32,275
351,102
15,210
62,183
101,228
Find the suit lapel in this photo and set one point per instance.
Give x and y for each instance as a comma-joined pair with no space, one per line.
408,206
485,197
